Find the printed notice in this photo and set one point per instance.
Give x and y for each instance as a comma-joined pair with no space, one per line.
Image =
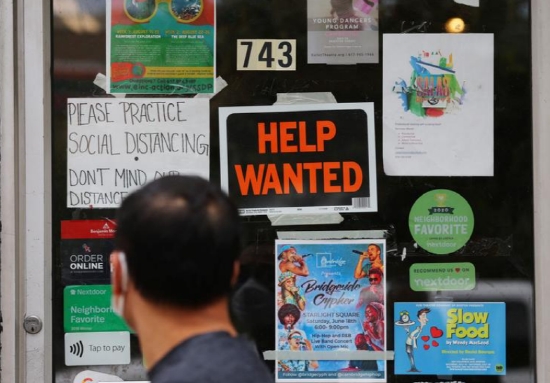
450,338
97,348
289,159
342,32
160,47
85,249
330,297
438,105
116,145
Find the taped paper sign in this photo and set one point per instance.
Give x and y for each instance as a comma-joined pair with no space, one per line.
331,297
161,47
438,104
114,145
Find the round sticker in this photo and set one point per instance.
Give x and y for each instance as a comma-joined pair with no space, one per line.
441,221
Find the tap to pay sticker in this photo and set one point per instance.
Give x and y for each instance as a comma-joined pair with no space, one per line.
97,348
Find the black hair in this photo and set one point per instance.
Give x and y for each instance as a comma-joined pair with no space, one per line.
181,236
288,308
422,311
376,270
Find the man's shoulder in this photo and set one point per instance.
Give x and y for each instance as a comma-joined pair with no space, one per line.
212,358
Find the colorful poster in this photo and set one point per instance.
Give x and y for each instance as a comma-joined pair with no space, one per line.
450,338
114,146
288,158
160,47
86,246
330,297
438,105
342,31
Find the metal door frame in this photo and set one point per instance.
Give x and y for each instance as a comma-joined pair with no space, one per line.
25,182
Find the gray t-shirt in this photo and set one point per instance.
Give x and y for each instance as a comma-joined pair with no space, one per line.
215,357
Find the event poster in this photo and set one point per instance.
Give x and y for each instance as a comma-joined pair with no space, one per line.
160,47
342,31
450,338
284,159
116,145
331,297
438,104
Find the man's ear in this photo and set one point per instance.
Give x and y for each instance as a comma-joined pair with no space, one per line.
236,271
118,272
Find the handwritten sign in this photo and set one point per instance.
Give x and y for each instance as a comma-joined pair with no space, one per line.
115,146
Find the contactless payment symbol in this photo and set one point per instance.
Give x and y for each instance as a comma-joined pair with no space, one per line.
441,221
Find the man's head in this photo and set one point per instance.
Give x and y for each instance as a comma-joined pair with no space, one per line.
295,339
375,276
180,237
287,280
287,254
422,316
374,252
374,312
288,315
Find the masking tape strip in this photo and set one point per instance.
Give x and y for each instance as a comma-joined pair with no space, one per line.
328,355
101,82
335,234
471,3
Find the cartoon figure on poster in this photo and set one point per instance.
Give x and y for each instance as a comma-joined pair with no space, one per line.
412,336
433,89
329,300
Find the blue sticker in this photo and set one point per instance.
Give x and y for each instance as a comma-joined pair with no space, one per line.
450,338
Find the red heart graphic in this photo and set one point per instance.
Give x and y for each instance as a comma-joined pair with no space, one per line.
425,338
436,333
426,346
457,269
434,343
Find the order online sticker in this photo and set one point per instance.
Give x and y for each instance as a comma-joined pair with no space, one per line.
441,221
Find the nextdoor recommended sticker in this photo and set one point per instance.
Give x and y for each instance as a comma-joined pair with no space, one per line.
441,221
442,276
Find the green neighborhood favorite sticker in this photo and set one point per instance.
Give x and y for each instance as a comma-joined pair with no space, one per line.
88,309
441,221
442,276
